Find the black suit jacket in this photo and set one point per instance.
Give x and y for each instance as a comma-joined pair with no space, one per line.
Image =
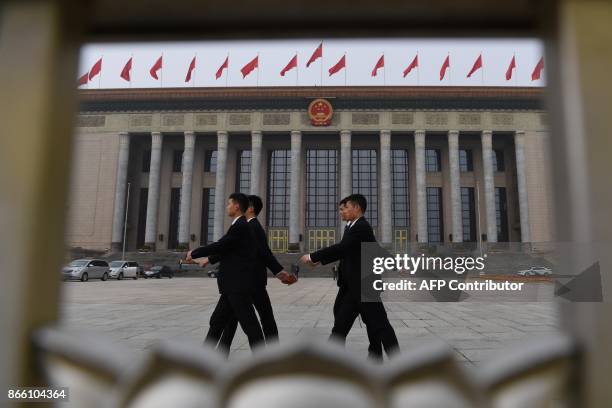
348,250
236,253
265,258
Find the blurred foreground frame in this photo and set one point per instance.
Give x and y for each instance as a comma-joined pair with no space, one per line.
39,46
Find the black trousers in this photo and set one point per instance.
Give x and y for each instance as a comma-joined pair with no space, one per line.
261,301
380,332
238,306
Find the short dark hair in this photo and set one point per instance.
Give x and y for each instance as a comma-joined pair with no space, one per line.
343,201
256,203
358,199
241,199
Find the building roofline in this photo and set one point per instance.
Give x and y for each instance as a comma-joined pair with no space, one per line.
342,97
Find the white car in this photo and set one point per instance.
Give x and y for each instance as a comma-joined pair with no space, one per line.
123,269
535,271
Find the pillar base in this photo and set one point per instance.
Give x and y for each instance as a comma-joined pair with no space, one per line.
293,247
116,246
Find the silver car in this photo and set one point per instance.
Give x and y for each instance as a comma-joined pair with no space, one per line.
85,269
535,271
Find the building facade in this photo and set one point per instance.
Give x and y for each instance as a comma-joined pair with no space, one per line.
437,165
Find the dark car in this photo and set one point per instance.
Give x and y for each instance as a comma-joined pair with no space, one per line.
159,272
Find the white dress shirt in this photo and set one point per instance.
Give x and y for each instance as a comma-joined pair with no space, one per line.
236,219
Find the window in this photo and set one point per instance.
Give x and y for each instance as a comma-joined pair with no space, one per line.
321,188
173,218
468,214
365,181
208,216
210,161
243,172
497,160
279,187
435,231
465,161
146,161
177,161
400,188
501,214
432,160
142,217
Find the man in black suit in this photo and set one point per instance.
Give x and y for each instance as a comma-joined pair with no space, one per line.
236,254
265,260
349,303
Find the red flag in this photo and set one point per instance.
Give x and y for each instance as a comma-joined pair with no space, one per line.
537,71
96,69
156,67
249,67
318,53
223,66
445,66
413,65
510,68
379,64
126,71
477,66
339,65
83,79
190,69
292,64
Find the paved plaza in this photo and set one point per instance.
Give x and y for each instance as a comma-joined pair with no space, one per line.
142,312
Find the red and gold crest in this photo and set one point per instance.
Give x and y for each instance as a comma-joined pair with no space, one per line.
320,112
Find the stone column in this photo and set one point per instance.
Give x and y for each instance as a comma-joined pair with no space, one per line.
220,199
519,146
421,192
489,186
345,167
186,190
120,191
345,163
455,187
294,198
256,141
153,198
385,198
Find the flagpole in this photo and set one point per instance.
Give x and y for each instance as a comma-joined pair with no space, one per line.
227,71
131,68
161,74
515,76
384,70
297,70
482,68
257,83
100,76
418,67
321,62
195,62
449,69
345,69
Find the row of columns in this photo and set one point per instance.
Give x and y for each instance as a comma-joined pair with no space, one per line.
345,184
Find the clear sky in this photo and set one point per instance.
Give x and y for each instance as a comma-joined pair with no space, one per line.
361,56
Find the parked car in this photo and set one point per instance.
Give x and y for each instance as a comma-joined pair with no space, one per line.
124,269
535,271
159,271
85,269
